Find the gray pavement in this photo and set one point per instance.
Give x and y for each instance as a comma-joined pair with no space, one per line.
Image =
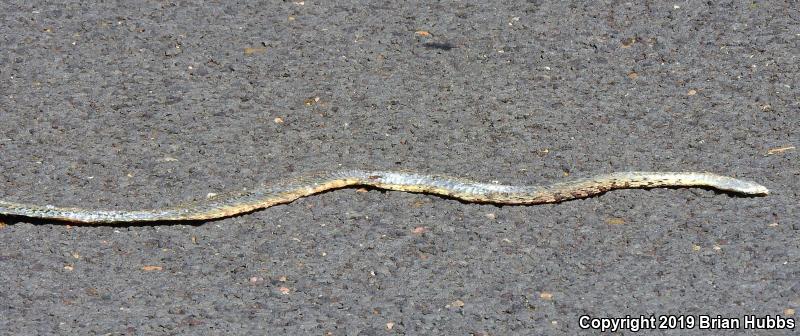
146,104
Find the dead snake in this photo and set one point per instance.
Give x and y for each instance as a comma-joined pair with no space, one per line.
470,191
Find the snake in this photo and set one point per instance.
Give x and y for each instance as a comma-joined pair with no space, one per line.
290,189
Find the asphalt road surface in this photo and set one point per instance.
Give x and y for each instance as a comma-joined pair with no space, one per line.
146,104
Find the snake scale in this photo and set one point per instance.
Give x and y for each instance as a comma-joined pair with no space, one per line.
470,191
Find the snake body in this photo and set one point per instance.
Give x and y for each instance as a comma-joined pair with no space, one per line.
470,191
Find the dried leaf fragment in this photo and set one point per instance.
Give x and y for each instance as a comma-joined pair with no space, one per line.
254,50
780,150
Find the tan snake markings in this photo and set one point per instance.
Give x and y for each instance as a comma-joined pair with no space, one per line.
462,189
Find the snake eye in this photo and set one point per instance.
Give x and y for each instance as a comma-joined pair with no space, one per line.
374,177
